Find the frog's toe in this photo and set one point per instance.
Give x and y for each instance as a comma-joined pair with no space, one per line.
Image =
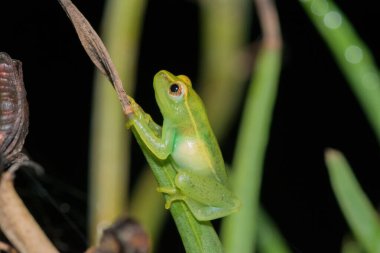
168,204
167,190
129,124
173,198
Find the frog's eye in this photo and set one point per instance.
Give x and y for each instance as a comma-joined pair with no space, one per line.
175,89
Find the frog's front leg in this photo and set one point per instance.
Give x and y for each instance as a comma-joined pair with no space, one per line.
158,141
138,112
205,196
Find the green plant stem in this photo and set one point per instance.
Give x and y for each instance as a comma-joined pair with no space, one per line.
224,33
197,237
239,230
109,157
144,199
351,54
350,245
357,209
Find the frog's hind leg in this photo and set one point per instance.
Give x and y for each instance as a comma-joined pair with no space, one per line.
199,210
207,198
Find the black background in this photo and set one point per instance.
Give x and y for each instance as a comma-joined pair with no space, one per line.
315,109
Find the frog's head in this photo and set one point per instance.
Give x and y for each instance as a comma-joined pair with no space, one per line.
171,93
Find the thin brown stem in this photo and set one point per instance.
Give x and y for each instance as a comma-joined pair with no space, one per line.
96,50
270,24
7,248
124,236
17,223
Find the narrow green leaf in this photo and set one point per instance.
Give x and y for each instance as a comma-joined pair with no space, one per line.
350,245
224,34
239,229
357,209
270,239
351,54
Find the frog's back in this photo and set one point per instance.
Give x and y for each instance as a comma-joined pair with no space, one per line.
196,144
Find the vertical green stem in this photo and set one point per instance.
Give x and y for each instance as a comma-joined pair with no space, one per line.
197,237
239,230
147,206
222,70
109,158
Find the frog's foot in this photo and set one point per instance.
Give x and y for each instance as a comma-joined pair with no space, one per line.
136,113
173,195
167,189
129,124
173,198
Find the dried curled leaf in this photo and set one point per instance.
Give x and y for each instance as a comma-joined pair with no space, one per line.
14,111
96,50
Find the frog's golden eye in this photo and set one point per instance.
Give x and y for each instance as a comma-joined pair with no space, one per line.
175,89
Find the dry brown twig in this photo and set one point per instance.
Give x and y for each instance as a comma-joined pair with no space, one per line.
124,236
270,23
15,220
97,52
17,223
7,248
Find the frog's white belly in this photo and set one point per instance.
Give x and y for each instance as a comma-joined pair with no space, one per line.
193,154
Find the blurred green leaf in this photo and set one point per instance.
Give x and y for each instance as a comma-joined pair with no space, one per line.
110,155
239,229
269,238
357,209
147,206
350,245
351,54
224,36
